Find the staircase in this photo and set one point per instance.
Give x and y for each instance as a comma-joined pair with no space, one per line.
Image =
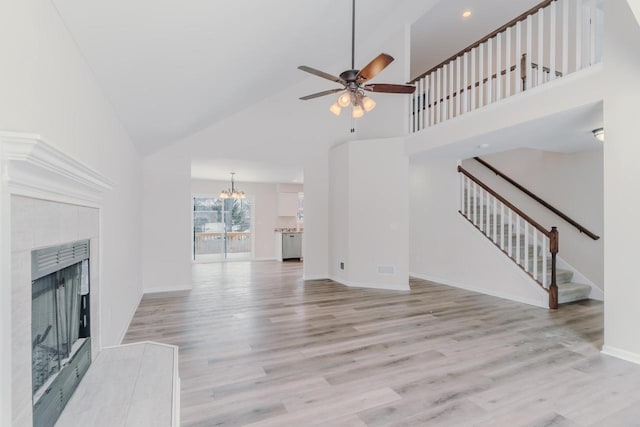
523,240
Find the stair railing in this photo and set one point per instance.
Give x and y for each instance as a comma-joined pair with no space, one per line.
562,215
549,41
527,243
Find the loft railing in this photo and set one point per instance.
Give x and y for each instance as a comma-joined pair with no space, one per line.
549,41
562,215
532,247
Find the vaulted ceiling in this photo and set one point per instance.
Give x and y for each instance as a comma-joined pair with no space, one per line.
171,68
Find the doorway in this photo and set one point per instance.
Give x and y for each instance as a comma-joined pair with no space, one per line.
222,229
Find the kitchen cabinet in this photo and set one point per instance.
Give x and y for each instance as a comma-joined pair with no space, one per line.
287,204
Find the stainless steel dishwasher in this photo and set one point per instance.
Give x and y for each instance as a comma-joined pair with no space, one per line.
291,246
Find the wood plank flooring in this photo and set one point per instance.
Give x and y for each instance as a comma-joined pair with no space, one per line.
260,347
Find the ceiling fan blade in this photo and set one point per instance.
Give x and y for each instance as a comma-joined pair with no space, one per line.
319,94
321,74
374,67
389,88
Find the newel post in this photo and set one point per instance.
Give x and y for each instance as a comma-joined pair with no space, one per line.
553,288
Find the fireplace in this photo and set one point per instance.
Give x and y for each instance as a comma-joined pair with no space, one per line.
60,330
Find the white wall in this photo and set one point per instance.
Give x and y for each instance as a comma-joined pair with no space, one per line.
621,177
47,88
166,222
446,248
570,182
369,213
316,217
265,214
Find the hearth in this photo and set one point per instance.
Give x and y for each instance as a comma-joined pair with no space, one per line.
60,332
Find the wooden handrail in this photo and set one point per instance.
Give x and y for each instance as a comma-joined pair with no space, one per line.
562,215
494,33
507,203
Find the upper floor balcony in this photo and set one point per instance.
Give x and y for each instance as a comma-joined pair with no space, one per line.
547,43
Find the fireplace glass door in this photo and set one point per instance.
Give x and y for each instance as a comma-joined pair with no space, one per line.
56,323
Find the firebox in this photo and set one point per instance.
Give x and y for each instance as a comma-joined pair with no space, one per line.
60,327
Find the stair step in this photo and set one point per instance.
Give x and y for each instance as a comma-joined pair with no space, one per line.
569,292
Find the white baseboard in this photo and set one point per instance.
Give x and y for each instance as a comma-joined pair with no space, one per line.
315,277
480,290
621,354
170,289
131,315
351,284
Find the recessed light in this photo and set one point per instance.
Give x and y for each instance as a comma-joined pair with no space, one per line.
483,146
466,14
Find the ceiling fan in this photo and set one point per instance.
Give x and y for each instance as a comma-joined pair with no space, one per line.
353,81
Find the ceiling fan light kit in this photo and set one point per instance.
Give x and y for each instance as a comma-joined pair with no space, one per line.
354,81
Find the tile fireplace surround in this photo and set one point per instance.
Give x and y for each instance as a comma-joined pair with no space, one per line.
47,198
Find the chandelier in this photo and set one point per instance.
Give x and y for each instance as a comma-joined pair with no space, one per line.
232,193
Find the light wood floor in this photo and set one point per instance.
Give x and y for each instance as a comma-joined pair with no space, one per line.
260,347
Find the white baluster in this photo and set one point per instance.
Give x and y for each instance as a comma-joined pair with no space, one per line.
487,213
498,67
502,221
468,198
535,253
544,261
458,87
541,46
432,120
445,103
565,37
510,233
473,80
526,246
495,220
518,74
465,93
481,76
507,76
518,243
552,42
475,203
490,71
438,95
450,107
529,52
578,35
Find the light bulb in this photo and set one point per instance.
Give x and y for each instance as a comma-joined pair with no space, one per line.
224,195
357,112
335,109
368,104
344,99
599,134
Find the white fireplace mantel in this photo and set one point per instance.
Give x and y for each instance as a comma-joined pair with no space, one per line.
34,168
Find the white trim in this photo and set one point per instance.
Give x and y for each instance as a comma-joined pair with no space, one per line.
478,289
34,168
621,354
351,284
315,277
596,293
131,316
169,289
